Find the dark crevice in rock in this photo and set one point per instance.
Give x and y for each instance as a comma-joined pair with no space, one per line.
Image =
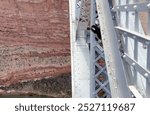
58,86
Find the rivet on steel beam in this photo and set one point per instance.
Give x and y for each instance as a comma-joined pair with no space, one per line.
146,75
112,9
125,7
124,56
135,7
119,41
133,64
113,17
148,6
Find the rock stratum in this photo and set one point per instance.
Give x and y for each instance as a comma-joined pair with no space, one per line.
34,46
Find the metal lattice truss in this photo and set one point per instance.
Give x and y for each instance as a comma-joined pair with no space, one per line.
98,65
101,79
83,14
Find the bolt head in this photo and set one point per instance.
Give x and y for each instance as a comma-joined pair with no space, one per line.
135,7
133,64
146,75
148,6
119,41
124,56
113,17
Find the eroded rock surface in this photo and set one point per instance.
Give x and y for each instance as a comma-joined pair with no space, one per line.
34,40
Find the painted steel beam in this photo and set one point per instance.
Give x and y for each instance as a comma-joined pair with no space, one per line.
99,78
145,73
135,92
139,7
134,35
117,78
80,57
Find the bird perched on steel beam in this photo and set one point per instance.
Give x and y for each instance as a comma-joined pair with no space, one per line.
95,29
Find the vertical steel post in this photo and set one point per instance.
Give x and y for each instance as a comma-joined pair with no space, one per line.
92,50
80,57
127,26
148,56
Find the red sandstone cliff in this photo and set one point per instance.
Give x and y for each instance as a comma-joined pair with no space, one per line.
34,40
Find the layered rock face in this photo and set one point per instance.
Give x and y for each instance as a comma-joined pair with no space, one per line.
34,40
